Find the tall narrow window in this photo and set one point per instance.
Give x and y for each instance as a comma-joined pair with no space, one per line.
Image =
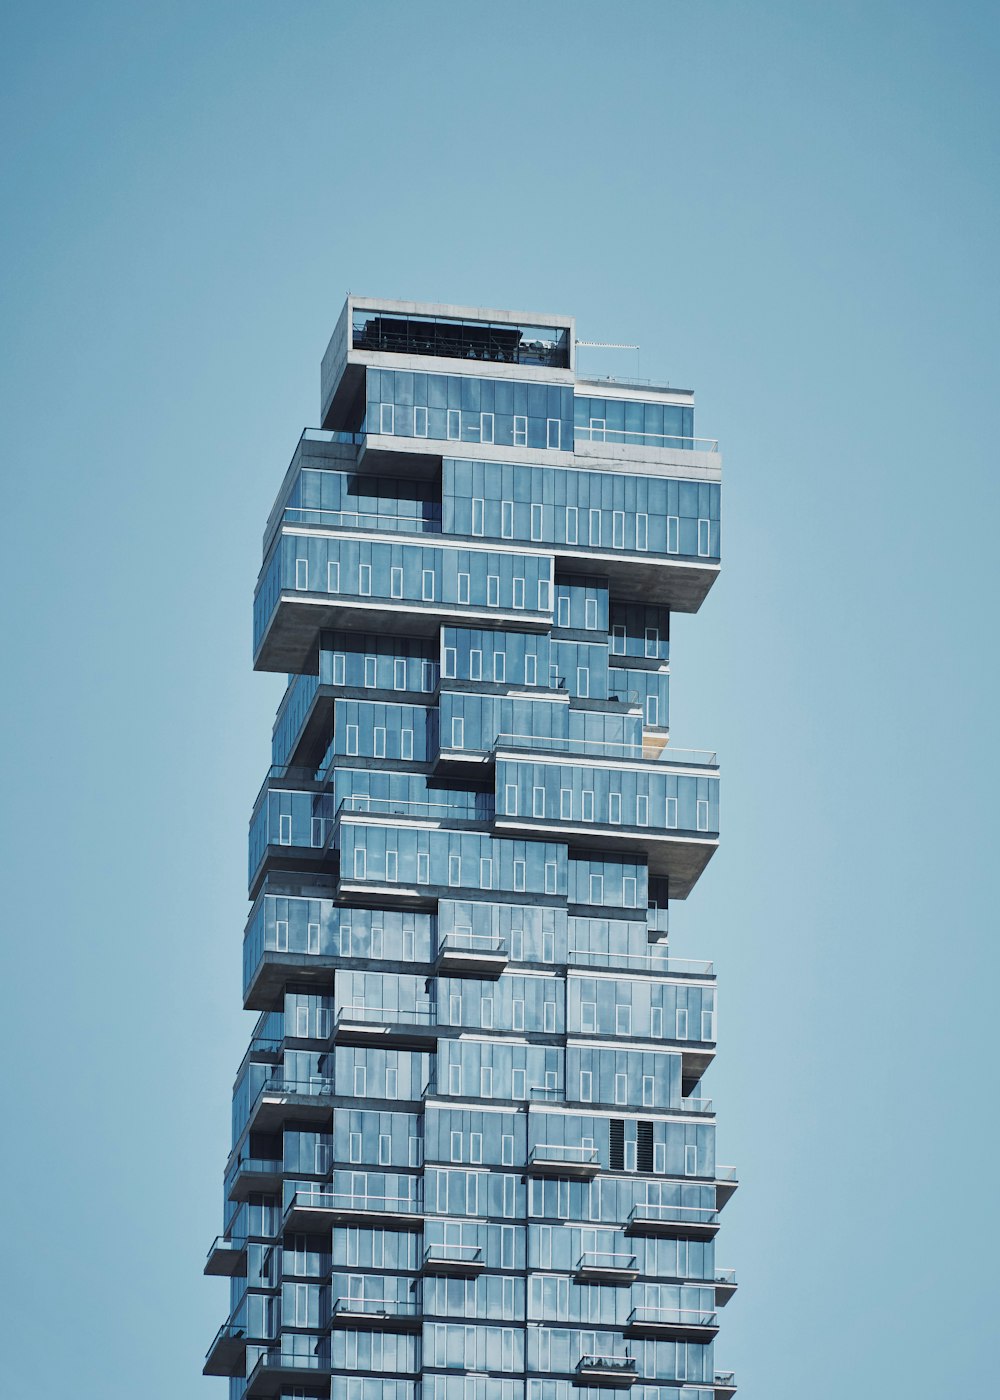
651,639
302,574
454,870
423,868
284,830
463,588
449,663
553,432
536,522
406,744
475,664
395,583
399,674
520,871
510,799
454,424
538,802
704,537
427,586
333,576
572,517
642,531
478,513
618,529
595,526
690,1160
590,614
531,670
419,421
671,812
519,593
365,580
682,1023
458,732
621,1088
653,711
500,666
378,750
615,808
520,430
618,639
507,520
386,418
492,590
673,534
392,866
701,817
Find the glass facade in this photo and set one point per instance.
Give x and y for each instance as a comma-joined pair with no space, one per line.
472,1158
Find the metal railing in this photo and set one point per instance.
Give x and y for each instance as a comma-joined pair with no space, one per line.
611,748
350,1200
624,437
673,1214
606,1259
361,520
547,1152
681,967
679,1317
606,1363
373,1307
488,944
481,810
453,1254
422,1016
726,1174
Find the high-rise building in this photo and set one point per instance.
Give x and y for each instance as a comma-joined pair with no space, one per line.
471,1159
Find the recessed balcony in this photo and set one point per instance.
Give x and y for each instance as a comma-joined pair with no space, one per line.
321,1210
381,1025
673,1222
226,1356
453,1260
672,1324
472,955
608,1267
375,1314
557,1159
226,1258
618,1372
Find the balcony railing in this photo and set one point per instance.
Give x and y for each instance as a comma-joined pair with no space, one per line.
680,967
380,1310
557,1158
459,1257
625,1364
672,1317
622,437
353,1201
607,748
645,1213
482,809
361,520
386,1015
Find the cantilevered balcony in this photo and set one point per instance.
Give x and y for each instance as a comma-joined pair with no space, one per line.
226,1258
557,1159
276,1371
321,1210
252,1174
385,1026
724,1384
376,1314
307,1100
479,955
618,1372
672,1324
226,1356
607,1267
453,1260
673,1221
725,1286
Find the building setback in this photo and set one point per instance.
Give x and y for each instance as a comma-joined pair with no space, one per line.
471,1159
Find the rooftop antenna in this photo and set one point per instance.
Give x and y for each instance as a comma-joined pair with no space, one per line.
609,345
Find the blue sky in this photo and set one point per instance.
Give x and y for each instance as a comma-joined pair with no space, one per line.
792,208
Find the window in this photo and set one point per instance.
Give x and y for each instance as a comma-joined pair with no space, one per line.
618,529
565,804
492,590
510,800
553,432
395,583
419,421
478,508
588,805
360,1081
449,663
316,832
519,593
454,424
499,666
572,519
476,1146
618,640
354,1147
486,427
583,682
379,742
630,898
520,430
642,810
531,670
370,679
360,863
454,1079
506,520
384,1149
536,522
656,1022
586,1086
588,1016
312,946
284,830
623,1020
597,889
562,610
507,1149
302,574
652,641
391,867
517,1014
427,586
550,877
458,731
333,577
690,1160
652,710
386,417
475,665
538,802
281,935
427,676
486,1081
399,674
621,1088
543,595
549,1017
463,588
682,1023
642,532
704,537
365,580
701,818
339,667
647,1090
406,744
485,873
454,870
590,614
671,812
615,808
673,534
456,1147
595,526
423,868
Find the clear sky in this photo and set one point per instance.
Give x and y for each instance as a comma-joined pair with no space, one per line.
792,207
